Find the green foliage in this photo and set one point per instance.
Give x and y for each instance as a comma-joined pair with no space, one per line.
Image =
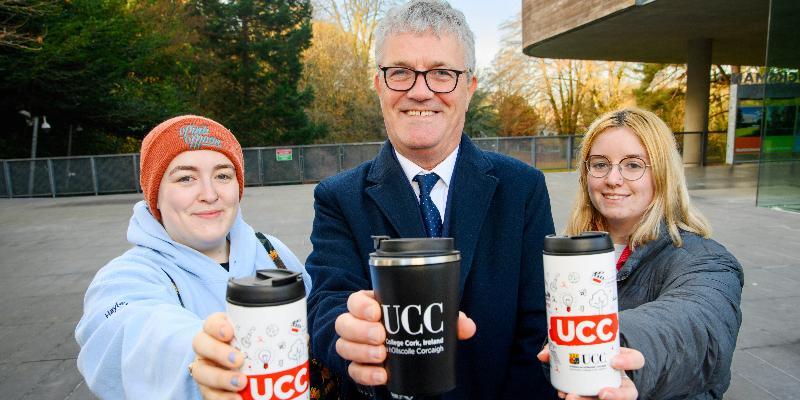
100,65
482,119
251,68
119,67
98,142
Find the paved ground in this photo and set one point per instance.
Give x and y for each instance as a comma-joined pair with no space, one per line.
51,248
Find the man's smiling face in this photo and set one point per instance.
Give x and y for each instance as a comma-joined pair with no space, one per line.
422,125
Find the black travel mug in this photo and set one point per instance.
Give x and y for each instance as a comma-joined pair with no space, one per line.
416,282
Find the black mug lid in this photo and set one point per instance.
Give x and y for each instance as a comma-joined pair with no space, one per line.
268,287
413,247
590,242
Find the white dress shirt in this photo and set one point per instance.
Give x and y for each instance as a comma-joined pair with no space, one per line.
445,172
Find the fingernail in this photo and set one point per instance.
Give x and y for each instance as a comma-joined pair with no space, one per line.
377,376
369,312
222,332
375,353
235,381
232,357
374,334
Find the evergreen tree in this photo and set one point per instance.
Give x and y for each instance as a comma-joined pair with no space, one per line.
111,66
481,119
252,68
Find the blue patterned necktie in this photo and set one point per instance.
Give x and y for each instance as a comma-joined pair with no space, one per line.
430,214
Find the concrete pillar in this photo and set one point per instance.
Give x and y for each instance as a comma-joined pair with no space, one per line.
695,119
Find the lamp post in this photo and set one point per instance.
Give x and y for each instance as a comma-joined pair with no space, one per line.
34,120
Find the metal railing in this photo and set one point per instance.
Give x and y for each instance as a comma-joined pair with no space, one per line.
119,173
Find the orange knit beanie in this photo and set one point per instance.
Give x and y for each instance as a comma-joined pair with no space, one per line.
179,134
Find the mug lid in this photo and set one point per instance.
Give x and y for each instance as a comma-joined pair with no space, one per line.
413,251
267,287
409,247
589,242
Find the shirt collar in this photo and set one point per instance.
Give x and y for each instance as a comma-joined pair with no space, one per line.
444,169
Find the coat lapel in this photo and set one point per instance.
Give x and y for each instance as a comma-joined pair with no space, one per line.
395,201
471,194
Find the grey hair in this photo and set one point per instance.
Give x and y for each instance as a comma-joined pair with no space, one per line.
422,16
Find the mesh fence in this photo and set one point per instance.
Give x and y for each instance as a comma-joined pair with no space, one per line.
320,162
353,155
281,165
30,178
551,153
4,180
519,148
488,144
252,167
116,174
577,141
107,174
73,176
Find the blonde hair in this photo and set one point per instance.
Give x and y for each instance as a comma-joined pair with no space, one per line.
670,202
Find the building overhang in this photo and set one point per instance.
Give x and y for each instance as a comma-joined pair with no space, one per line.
655,31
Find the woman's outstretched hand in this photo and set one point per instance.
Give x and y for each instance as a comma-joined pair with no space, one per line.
215,367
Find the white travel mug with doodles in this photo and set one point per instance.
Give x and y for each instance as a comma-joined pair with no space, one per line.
582,315
268,312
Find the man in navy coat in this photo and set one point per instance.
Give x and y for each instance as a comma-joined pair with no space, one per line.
495,207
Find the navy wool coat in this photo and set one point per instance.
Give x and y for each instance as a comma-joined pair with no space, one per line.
498,214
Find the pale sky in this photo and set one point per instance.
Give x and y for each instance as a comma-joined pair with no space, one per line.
485,18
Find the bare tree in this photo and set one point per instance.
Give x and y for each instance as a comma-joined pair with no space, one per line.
565,86
340,68
343,96
358,18
14,16
566,94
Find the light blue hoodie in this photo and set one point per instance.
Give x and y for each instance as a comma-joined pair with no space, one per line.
135,337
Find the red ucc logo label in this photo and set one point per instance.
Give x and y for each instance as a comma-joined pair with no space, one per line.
583,330
283,385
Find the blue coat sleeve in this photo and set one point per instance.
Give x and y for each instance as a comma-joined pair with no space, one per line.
337,271
525,370
135,338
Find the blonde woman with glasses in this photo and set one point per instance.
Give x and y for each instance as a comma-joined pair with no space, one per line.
679,291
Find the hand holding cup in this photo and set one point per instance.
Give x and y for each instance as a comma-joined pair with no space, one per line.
626,360
215,366
362,337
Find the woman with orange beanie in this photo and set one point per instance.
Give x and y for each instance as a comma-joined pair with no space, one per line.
144,309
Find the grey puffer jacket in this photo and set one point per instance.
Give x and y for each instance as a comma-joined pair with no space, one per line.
680,308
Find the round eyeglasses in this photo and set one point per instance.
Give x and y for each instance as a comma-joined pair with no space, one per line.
630,168
438,80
